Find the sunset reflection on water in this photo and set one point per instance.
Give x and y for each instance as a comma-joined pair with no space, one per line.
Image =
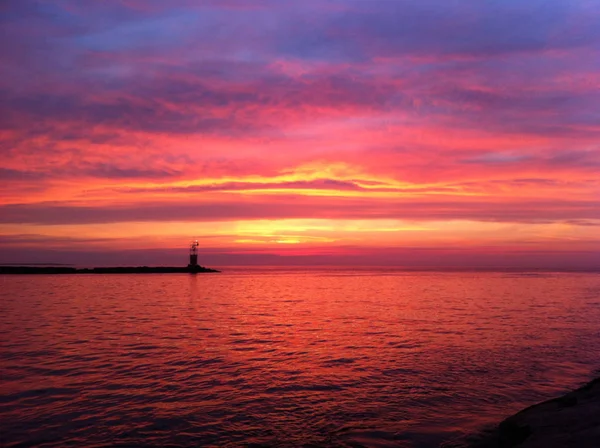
285,358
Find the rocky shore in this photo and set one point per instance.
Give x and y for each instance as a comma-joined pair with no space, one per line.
572,420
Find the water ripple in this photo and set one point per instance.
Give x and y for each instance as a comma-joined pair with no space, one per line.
285,359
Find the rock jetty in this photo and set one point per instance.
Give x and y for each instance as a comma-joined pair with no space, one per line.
107,270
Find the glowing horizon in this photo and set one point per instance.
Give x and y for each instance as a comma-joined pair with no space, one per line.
465,133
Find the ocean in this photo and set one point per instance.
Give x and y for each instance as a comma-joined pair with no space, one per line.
286,357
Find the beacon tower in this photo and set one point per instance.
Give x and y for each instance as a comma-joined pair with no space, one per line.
194,255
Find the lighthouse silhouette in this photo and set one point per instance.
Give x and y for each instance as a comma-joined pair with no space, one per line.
193,255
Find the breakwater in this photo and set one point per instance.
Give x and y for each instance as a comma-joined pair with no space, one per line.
105,270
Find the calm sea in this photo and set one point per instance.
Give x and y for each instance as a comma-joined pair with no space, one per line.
286,358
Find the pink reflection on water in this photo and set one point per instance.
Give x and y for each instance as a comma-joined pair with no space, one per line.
330,357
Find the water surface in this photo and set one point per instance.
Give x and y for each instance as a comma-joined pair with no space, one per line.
286,358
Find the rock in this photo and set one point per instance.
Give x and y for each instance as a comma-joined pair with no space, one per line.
511,433
572,420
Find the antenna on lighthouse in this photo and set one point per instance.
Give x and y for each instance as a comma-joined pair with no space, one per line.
194,254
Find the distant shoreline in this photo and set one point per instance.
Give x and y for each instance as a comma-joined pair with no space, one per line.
525,271
56,270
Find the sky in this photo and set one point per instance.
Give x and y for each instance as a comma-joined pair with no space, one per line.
456,133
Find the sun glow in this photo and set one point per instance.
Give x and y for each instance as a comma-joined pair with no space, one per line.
266,143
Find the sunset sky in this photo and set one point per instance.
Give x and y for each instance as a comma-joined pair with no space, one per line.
371,132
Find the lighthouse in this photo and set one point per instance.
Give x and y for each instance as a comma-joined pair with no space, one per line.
193,255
